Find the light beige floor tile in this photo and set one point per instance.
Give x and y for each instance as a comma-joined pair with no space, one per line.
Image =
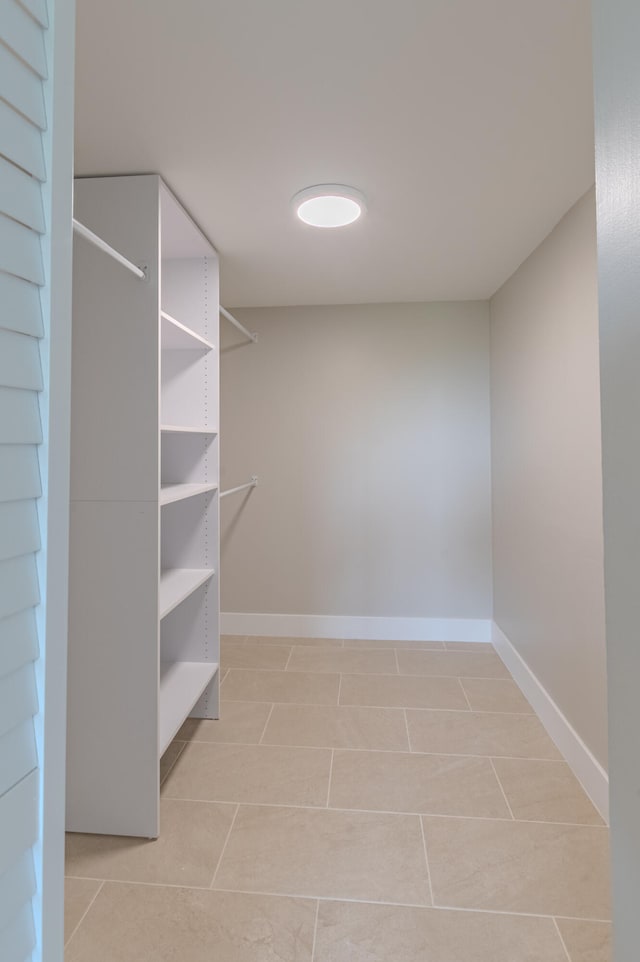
240,721
495,694
545,791
169,758
143,923
253,773
432,784
344,660
320,852
479,733
192,835
233,639
297,687
78,895
587,941
358,932
255,656
472,646
307,642
523,867
327,726
457,664
386,691
371,645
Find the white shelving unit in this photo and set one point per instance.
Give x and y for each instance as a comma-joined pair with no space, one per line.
144,594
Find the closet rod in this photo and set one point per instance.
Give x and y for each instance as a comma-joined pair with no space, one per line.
236,323
103,246
241,487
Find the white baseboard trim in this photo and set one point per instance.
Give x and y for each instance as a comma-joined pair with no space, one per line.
582,762
353,626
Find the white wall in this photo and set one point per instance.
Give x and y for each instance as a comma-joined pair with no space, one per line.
547,478
368,427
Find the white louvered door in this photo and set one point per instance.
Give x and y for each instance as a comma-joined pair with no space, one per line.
36,133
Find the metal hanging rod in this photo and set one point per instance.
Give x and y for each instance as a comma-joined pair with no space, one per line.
241,487
236,323
103,246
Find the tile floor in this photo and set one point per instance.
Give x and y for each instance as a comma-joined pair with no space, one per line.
357,802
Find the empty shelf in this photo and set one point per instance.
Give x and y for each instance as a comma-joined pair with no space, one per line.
182,429
178,492
176,584
177,337
181,684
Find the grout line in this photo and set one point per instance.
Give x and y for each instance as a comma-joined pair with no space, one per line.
377,674
395,652
324,704
464,692
426,859
84,914
286,665
504,794
564,944
339,691
315,931
330,777
224,847
264,730
406,725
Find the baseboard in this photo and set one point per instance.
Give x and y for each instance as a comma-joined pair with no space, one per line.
351,626
582,762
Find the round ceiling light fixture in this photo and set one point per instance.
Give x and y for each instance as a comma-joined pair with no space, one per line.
329,205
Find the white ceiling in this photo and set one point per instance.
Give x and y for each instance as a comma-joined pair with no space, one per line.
467,123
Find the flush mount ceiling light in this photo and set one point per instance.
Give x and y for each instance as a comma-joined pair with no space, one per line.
329,205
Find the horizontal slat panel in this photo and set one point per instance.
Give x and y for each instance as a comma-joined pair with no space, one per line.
19,529
18,641
18,585
19,809
38,10
20,299
18,940
21,195
20,365
19,417
20,251
17,754
18,699
23,35
21,141
17,887
19,472
21,88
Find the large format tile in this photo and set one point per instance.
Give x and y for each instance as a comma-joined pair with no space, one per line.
299,687
305,642
545,791
239,721
475,647
371,645
523,867
325,853
329,726
479,733
144,923
78,895
357,932
587,941
251,773
344,660
255,656
399,782
496,695
464,664
191,839
388,691
232,639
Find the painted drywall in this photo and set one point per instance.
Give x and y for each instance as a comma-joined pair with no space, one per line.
547,477
616,28
368,427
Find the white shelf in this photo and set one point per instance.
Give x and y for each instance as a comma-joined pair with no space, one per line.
169,493
177,584
177,337
182,429
181,684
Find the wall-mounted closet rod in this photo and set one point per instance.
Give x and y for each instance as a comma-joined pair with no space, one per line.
236,323
241,487
103,246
